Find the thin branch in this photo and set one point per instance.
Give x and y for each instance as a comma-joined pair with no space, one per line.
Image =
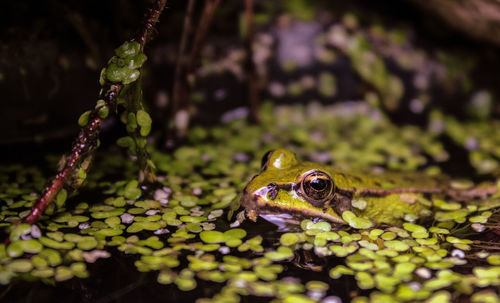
178,92
6,290
150,19
201,32
87,138
182,99
251,70
84,144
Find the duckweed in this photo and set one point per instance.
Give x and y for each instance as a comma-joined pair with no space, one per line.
236,233
185,238
31,246
212,236
288,239
19,265
356,222
282,253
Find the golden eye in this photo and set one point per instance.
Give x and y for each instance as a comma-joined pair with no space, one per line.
316,187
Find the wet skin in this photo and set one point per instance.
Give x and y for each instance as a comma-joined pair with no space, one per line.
312,190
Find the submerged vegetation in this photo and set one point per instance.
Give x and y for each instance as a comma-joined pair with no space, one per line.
175,216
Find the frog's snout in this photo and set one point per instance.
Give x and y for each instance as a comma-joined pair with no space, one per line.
252,201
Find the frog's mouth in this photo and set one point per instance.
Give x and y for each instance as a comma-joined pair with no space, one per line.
259,203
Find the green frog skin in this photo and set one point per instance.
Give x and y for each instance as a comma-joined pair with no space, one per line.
312,190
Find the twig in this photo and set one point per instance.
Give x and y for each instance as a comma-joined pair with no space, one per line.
182,98
252,82
6,291
201,32
87,138
85,142
150,19
179,90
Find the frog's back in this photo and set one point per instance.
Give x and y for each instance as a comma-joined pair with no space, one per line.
387,180
392,209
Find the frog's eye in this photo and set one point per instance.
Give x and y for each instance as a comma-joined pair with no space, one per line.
265,159
316,187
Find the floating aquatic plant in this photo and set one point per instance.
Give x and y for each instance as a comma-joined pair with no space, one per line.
179,231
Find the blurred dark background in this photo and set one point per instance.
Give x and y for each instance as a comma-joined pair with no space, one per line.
51,53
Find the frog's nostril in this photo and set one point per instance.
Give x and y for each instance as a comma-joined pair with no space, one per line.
273,190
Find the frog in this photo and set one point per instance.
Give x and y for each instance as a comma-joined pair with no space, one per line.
324,192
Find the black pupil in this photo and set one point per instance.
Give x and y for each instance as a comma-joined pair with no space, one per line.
318,184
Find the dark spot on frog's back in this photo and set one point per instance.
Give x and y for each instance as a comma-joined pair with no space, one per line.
265,158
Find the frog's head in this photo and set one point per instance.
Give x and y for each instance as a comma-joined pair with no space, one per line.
285,186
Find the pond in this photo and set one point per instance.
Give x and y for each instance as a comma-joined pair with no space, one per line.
353,96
